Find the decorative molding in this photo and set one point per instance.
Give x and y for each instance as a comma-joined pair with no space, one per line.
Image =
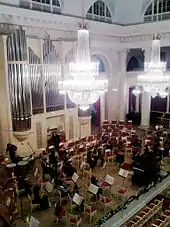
60,27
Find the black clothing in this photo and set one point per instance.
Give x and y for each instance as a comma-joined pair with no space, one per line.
12,152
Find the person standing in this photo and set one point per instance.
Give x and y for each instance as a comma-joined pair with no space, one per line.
11,149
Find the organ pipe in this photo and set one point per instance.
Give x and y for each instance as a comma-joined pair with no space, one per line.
18,73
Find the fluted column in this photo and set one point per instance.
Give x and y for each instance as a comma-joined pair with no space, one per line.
102,108
137,104
145,112
122,84
112,94
146,97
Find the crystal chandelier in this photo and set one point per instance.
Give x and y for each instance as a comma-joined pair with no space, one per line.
153,80
82,84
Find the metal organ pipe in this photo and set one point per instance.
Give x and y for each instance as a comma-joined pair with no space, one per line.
19,80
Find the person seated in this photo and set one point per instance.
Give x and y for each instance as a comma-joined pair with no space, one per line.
120,157
79,209
95,156
90,159
37,197
108,145
76,189
95,182
52,158
69,170
12,149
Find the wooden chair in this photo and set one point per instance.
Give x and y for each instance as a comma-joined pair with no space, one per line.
121,192
32,206
108,155
87,170
105,201
74,220
90,211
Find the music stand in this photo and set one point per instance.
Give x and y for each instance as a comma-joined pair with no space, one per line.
124,174
109,180
34,222
75,177
77,199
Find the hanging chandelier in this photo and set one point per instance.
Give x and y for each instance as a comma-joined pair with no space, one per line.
153,80
82,84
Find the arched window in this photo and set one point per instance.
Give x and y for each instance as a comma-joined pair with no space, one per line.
49,6
157,10
133,64
99,11
101,64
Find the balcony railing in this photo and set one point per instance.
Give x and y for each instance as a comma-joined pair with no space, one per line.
99,18
129,210
49,8
160,16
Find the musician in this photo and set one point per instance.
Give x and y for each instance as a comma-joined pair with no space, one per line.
52,158
95,182
90,159
109,145
120,157
37,197
95,156
12,149
69,170
166,146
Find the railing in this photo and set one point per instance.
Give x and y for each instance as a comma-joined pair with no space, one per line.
54,108
119,218
160,16
49,8
99,18
142,70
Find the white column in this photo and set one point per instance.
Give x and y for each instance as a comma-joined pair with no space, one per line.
146,97
6,131
122,85
116,95
137,104
167,104
102,108
145,111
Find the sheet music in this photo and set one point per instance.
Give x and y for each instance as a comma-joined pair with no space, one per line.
34,222
75,177
49,187
93,189
109,179
77,199
123,173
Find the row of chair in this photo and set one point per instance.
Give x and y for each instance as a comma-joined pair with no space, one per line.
163,220
146,214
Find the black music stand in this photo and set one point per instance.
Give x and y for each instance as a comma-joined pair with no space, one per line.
123,174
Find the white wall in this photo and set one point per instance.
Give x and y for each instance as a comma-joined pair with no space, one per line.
129,12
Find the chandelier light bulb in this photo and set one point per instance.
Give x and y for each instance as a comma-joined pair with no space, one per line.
136,91
83,85
163,94
153,80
